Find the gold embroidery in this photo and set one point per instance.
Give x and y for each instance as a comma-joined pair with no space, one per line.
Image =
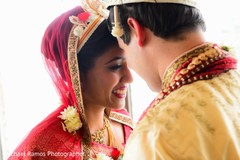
172,69
75,78
86,152
121,118
187,69
199,117
98,136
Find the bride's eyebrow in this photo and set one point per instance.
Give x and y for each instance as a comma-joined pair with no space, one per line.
115,59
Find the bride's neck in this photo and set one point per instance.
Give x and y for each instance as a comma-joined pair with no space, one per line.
95,118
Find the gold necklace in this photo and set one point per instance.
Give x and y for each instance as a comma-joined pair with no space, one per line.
98,135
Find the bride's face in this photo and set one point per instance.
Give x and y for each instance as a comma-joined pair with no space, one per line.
107,82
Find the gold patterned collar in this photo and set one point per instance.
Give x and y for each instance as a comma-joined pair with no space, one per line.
200,63
171,69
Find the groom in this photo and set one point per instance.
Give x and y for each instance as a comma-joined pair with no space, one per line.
197,113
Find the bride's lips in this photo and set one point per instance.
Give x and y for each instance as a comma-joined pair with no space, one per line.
121,92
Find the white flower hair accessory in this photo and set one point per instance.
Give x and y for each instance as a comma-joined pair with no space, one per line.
81,21
93,9
71,119
96,7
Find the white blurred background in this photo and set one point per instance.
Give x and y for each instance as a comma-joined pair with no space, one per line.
26,91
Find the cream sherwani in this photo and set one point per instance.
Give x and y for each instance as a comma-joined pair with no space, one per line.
199,121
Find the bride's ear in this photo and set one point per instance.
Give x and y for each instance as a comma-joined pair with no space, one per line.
137,30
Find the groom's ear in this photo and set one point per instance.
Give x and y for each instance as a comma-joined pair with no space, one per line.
137,30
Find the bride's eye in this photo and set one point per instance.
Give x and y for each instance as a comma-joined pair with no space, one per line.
115,67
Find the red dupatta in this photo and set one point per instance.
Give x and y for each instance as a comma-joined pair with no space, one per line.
48,141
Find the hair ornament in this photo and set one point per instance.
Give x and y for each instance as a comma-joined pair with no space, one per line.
96,7
71,119
93,9
81,21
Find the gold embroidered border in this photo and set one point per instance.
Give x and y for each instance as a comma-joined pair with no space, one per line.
74,46
73,68
86,152
121,118
75,79
190,54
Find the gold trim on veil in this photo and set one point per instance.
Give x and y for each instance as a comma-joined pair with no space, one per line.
80,33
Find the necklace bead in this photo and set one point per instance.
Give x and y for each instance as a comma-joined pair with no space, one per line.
98,135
